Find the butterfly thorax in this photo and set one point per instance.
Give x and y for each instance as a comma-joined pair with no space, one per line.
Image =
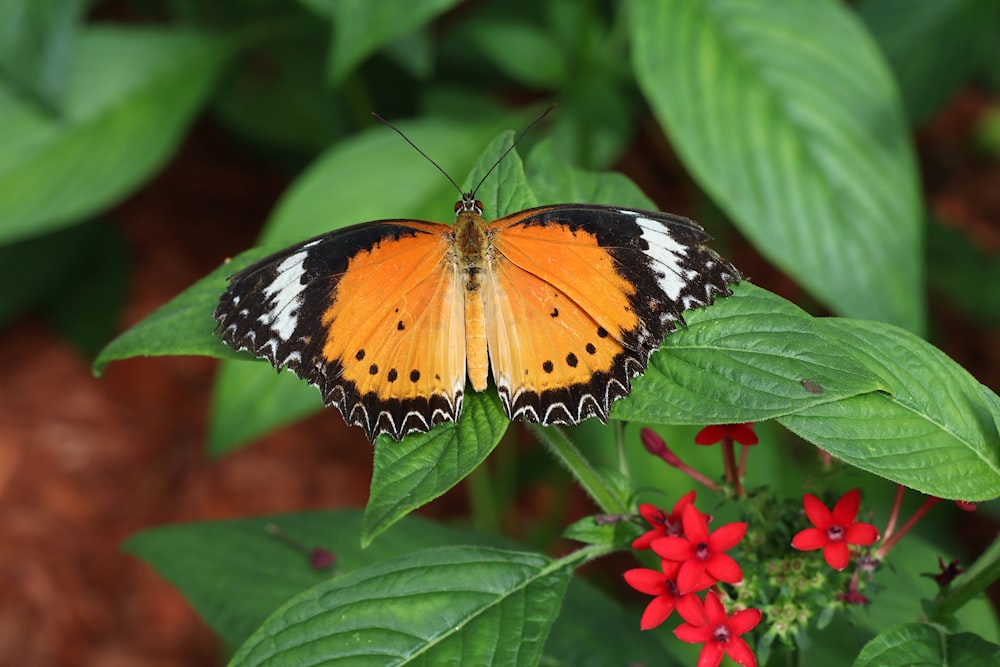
470,245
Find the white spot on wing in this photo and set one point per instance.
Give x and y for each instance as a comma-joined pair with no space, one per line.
285,291
665,251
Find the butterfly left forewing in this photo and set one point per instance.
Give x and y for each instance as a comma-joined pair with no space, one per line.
368,314
580,295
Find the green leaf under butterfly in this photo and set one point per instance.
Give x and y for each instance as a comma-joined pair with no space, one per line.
422,466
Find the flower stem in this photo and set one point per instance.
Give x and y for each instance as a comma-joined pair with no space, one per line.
597,486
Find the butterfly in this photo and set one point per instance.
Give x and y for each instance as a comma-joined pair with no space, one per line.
391,320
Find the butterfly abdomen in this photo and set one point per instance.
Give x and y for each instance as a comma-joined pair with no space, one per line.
470,247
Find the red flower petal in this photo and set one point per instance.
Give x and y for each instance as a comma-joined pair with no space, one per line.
744,621
846,508
646,581
743,433
809,539
726,537
724,568
690,575
672,548
657,611
837,555
714,610
711,655
692,610
710,434
740,652
692,634
819,514
695,525
861,534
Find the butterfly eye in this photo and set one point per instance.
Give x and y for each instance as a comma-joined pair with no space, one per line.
459,206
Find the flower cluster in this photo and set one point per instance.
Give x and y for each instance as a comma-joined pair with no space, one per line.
693,559
699,580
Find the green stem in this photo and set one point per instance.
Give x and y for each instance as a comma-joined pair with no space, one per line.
603,493
482,500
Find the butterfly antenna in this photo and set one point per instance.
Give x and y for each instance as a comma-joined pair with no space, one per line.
417,148
512,146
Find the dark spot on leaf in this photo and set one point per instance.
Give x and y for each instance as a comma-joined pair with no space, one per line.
812,387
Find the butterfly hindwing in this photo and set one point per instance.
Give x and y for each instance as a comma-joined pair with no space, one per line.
369,314
581,295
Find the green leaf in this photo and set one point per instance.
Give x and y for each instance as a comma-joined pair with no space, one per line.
454,605
523,51
962,32
249,394
933,428
556,181
506,188
924,644
361,27
422,466
786,114
131,94
207,561
749,357
37,40
184,325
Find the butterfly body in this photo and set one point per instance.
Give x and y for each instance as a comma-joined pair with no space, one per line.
562,305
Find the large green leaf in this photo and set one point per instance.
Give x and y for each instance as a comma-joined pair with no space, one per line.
361,27
453,605
131,94
184,325
751,356
422,466
962,32
37,40
925,644
934,428
210,560
786,114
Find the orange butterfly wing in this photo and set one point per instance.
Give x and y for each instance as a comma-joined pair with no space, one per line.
577,298
369,314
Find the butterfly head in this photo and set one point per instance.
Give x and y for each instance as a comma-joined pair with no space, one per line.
468,204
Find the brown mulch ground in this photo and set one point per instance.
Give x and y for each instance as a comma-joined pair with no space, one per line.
85,462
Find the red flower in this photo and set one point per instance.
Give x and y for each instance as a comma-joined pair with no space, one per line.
741,433
834,531
664,586
663,524
708,624
701,552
